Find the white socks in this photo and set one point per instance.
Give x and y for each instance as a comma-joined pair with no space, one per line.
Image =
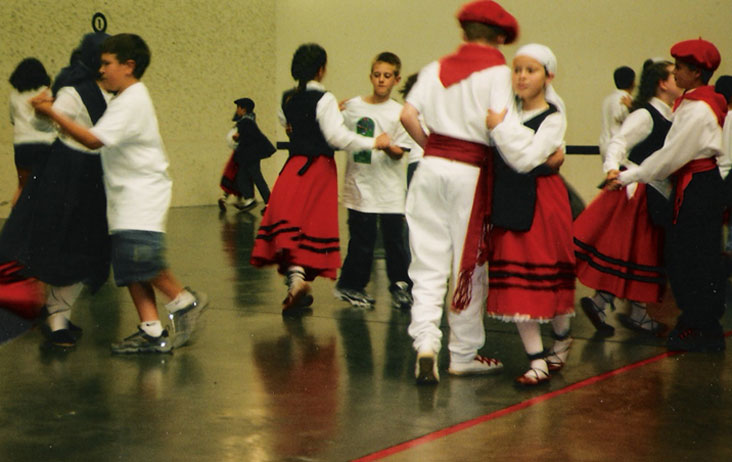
183,299
152,328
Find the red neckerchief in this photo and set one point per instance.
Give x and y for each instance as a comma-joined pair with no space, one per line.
707,94
469,58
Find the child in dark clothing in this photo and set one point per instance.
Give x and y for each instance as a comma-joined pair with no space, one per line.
251,147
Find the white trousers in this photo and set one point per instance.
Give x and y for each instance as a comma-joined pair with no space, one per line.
439,203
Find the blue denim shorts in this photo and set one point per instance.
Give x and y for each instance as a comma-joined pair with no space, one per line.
137,256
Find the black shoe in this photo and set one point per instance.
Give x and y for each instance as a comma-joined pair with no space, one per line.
62,338
596,316
696,340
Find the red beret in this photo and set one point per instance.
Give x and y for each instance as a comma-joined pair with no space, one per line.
700,52
491,13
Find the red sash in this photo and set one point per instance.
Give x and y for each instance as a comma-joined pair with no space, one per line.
469,58
475,247
684,176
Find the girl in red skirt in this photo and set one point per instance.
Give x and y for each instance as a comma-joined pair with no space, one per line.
618,238
531,262
299,230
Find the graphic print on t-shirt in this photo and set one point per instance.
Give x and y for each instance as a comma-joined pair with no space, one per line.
365,126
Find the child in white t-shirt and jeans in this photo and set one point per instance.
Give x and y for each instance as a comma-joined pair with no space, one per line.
138,192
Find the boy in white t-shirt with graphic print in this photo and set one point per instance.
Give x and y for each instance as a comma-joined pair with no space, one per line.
374,190
138,192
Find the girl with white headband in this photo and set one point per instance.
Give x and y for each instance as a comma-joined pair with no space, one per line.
531,262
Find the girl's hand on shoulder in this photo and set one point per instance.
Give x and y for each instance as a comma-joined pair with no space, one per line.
382,142
495,118
42,103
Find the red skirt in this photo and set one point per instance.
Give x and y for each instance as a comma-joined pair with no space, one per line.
531,274
300,226
618,249
228,177
21,295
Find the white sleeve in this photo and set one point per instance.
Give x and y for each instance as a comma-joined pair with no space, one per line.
682,145
334,129
522,148
636,128
114,126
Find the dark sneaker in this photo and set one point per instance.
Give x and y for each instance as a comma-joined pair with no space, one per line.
140,342
245,204
357,298
401,298
183,322
425,370
61,338
696,340
65,338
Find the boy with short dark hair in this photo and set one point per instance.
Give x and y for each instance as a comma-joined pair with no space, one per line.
138,192
449,196
252,146
374,190
616,106
692,154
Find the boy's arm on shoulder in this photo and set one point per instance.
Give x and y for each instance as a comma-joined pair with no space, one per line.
75,130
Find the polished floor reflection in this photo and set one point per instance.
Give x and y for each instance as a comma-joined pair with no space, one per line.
338,384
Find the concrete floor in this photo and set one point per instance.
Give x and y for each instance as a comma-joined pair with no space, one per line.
338,385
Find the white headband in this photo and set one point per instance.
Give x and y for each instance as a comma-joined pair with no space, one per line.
540,53
544,55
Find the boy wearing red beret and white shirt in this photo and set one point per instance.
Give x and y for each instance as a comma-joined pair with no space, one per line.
450,192
693,155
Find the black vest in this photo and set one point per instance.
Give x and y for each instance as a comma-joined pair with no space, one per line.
514,194
306,139
655,140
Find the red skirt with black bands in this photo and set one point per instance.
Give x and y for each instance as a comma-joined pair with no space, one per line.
300,226
531,274
618,248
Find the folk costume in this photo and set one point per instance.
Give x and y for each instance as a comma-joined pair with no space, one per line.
448,202
58,232
531,260
618,238
300,225
692,155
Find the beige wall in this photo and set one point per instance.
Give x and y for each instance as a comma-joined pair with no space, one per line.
205,54
208,52
590,38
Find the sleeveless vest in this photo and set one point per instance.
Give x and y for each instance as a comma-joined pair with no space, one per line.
514,194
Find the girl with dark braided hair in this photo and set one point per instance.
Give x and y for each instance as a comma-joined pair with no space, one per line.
299,229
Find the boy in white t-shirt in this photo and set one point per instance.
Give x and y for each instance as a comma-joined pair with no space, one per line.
374,190
138,192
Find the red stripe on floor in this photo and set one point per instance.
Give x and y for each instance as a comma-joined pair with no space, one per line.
516,407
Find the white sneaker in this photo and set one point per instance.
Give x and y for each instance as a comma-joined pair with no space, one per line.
479,365
425,370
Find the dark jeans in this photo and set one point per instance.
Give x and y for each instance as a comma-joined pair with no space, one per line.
250,174
356,270
693,253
